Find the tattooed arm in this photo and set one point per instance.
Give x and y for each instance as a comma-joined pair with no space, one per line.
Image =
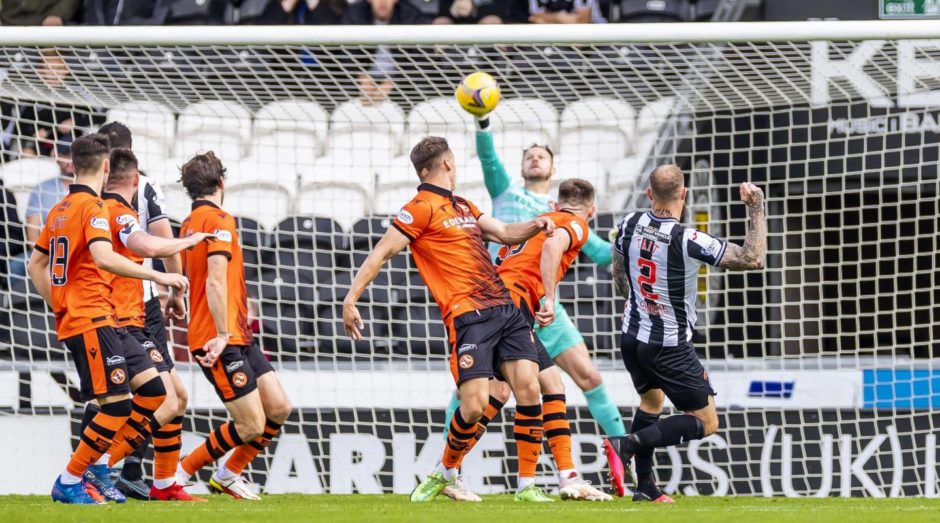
619,270
750,256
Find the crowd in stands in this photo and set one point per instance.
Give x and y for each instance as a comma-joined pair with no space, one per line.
355,12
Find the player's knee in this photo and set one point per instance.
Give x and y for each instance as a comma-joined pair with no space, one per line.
528,392
590,380
182,399
250,428
710,423
501,393
280,411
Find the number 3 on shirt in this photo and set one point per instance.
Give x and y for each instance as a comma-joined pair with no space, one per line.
647,278
59,265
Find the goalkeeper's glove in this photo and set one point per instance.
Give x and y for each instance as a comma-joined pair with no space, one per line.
612,235
483,122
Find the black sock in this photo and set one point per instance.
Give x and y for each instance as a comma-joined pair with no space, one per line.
643,459
670,431
91,410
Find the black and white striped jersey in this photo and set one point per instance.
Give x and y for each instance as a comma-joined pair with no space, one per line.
662,261
151,206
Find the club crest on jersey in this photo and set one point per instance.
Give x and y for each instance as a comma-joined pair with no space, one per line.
222,235
100,223
405,217
118,376
239,379
578,231
466,361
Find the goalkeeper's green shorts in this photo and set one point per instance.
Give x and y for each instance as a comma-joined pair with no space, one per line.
561,335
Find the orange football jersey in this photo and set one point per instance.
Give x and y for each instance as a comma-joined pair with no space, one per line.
127,294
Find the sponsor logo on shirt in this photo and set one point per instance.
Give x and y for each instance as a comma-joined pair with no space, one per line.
114,360
466,347
125,219
713,247
464,222
235,365
405,217
578,231
100,223
222,235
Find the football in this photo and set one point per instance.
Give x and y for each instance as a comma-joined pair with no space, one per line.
478,93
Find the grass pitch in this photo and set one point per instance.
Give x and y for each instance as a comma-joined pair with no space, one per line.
494,509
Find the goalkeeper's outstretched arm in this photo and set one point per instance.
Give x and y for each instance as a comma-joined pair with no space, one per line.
495,176
391,244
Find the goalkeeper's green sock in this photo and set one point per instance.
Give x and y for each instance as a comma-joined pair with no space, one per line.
449,413
605,411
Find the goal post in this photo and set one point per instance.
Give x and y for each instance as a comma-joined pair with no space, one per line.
824,362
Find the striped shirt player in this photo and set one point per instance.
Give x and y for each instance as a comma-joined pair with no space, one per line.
656,263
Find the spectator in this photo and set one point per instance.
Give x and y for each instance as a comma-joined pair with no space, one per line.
38,12
126,12
197,12
48,193
259,12
561,11
320,12
471,11
383,12
11,235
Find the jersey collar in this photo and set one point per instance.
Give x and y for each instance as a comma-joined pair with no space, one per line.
201,203
435,189
657,218
77,188
116,197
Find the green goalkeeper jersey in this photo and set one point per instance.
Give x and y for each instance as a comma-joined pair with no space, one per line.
513,203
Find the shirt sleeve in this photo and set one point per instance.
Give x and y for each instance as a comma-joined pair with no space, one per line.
597,249
126,225
223,227
156,202
96,224
577,233
495,176
704,247
413,219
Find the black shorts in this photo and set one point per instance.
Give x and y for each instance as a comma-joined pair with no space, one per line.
158,353
156,325
481,340
675,370
236,371
545,360
107,360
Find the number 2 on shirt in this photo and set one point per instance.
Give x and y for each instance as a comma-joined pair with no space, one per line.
647,278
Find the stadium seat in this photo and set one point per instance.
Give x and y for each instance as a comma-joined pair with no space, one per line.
288,307
520,122
315,244
31,324
389,198
20,176
601,129
252,237
153,126
567,167
289,132
366,233
368,135
442,117
344,202
254,168
340,169
178,204
475,193
418,330
218,126
622,182
399,171
648,124
264,201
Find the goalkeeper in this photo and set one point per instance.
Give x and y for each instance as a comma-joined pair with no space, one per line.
515,202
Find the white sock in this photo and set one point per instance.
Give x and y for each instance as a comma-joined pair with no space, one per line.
449,474
104,459
164,483
68,479
567,474
225,474
525,482
181,475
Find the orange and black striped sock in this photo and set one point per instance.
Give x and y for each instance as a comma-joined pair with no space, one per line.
167,442
97,437
220,441
492,410
458,441
528,435
135,432
557,430
244,454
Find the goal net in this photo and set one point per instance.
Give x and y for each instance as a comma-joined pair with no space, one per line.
824,362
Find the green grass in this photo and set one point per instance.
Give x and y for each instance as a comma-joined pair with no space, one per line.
494,509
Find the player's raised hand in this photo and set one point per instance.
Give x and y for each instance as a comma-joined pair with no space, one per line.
546,315
546,224
752,195
176,306
173,280
213,349
352,322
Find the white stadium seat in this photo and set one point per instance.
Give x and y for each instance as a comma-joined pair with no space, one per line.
254,168
442,117
178,204
345,203
218,126
20,176
289,132
519,123
389,198
263,200
400,171
651,119
339,169
153,126
623,178
593,171
602,129
368,135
